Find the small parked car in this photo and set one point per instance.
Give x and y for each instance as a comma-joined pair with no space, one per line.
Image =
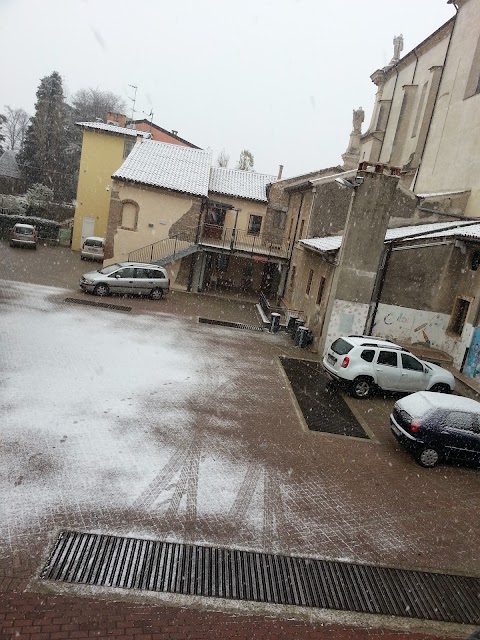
23,235
93,249
128,278
364,363
434,427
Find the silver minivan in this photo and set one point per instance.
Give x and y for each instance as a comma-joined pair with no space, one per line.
127,278
93,249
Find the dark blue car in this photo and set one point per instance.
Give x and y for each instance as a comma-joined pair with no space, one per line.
436,427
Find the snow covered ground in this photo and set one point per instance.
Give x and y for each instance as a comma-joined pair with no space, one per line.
152,425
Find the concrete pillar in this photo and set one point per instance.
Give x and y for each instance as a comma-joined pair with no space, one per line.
358,259
198,273
283,279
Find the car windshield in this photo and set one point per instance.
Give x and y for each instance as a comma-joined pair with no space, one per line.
109,269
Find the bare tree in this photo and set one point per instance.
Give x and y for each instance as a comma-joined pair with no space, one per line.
223,159
2,135
245,162
90,104
15,127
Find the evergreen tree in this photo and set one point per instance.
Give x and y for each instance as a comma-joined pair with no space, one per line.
245,162
43,153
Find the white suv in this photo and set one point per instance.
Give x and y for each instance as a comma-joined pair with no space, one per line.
363,363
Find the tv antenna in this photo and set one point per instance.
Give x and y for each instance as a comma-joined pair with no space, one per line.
133,99
150,117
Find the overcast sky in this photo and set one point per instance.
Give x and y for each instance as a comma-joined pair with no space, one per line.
278,77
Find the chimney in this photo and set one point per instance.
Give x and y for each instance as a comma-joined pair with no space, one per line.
280,171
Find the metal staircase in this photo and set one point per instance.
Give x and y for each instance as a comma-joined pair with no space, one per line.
168,250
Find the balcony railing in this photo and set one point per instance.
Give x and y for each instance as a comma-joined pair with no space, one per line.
243,241
209,235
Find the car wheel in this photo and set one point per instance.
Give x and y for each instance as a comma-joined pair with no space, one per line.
362,387
428,457
101,290
441,388
156,294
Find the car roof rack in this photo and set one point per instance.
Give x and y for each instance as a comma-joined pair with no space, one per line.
370,338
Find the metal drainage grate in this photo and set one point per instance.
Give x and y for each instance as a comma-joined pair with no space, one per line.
130,563
102,305
234,325
320,402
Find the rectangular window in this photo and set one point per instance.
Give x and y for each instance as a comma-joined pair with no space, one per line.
387,358
254,225
459,315
127,147
320,290
302,224
279,220
473,82
129,216
290,230
222,262
292,277
309,282
419,109
411,363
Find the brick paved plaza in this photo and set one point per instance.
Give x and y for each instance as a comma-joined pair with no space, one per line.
151,425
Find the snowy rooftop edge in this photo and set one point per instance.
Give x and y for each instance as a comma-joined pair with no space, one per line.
434,229
101,126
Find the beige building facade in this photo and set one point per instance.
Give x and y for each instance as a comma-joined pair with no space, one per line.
426,117
206,225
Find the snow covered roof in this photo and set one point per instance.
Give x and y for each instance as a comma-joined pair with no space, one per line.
439,194
169,166
8,165
111,128
184,169
332,177
333,243
467,231
241,184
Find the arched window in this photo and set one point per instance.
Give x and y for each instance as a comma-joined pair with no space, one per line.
129,215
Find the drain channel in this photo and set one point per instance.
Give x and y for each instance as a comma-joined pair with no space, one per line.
234,325
131,563
102,305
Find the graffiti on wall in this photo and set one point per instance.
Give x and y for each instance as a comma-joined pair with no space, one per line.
410,326
472,367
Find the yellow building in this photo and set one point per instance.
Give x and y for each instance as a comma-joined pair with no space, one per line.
104,149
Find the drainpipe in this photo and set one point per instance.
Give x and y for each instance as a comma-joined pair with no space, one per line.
436,97
378,288
293,242
234,232
446,213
